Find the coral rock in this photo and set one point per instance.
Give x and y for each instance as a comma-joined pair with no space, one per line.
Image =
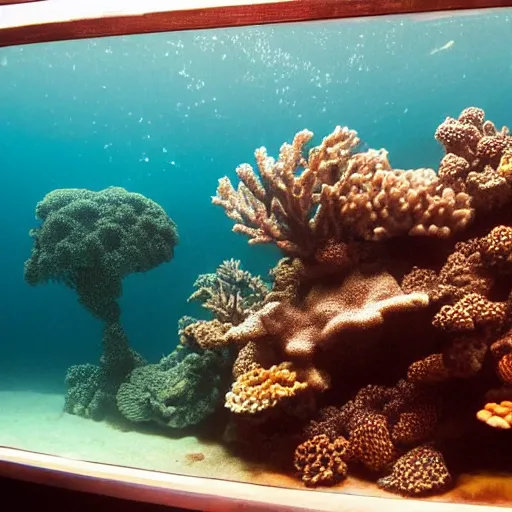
429,370
322,461
420,471
371,442
505,368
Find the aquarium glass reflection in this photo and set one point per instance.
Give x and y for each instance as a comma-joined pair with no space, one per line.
294,235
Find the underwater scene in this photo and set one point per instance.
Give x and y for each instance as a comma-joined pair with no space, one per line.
277,254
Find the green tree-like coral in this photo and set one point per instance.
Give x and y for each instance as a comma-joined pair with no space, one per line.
90,241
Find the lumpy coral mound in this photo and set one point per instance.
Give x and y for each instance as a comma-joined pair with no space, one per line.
392,304
91,240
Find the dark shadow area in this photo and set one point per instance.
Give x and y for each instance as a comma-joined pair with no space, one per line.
26,494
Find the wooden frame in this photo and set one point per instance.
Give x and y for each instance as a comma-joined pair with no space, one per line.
205,494
51,20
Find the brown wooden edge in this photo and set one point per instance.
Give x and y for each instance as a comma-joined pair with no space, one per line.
229,16
14,2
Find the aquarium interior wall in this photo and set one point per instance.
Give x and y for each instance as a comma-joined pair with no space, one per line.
166,116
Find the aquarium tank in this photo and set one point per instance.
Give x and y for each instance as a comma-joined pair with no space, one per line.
272,254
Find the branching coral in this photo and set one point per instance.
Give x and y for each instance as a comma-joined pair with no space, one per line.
260,389
299,205
231,293
322,461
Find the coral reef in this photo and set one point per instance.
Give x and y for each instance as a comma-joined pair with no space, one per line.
383,343
369,252
299,206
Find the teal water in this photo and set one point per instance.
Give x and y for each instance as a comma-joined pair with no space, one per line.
167,115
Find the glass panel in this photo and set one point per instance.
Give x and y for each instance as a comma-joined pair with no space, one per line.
359,343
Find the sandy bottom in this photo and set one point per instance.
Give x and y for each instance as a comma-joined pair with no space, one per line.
34,421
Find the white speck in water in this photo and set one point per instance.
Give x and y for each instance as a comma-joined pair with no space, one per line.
406,110
141,119
4,62
106,146
164,150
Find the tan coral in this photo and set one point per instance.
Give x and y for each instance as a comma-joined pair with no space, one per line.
375,202
277,207
298,204
261,389
361,301
420,471
470,312
496,247
206,334
322,461
497,415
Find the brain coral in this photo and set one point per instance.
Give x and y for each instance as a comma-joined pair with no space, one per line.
91,240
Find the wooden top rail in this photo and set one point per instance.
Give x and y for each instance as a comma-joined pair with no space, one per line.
34,21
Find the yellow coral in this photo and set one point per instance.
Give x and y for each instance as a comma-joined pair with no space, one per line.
497,415
261,389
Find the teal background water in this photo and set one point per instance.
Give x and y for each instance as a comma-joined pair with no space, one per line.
166,115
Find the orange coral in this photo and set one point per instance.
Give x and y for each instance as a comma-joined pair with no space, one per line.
321,461
260,389
420,471
497,415
505,368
